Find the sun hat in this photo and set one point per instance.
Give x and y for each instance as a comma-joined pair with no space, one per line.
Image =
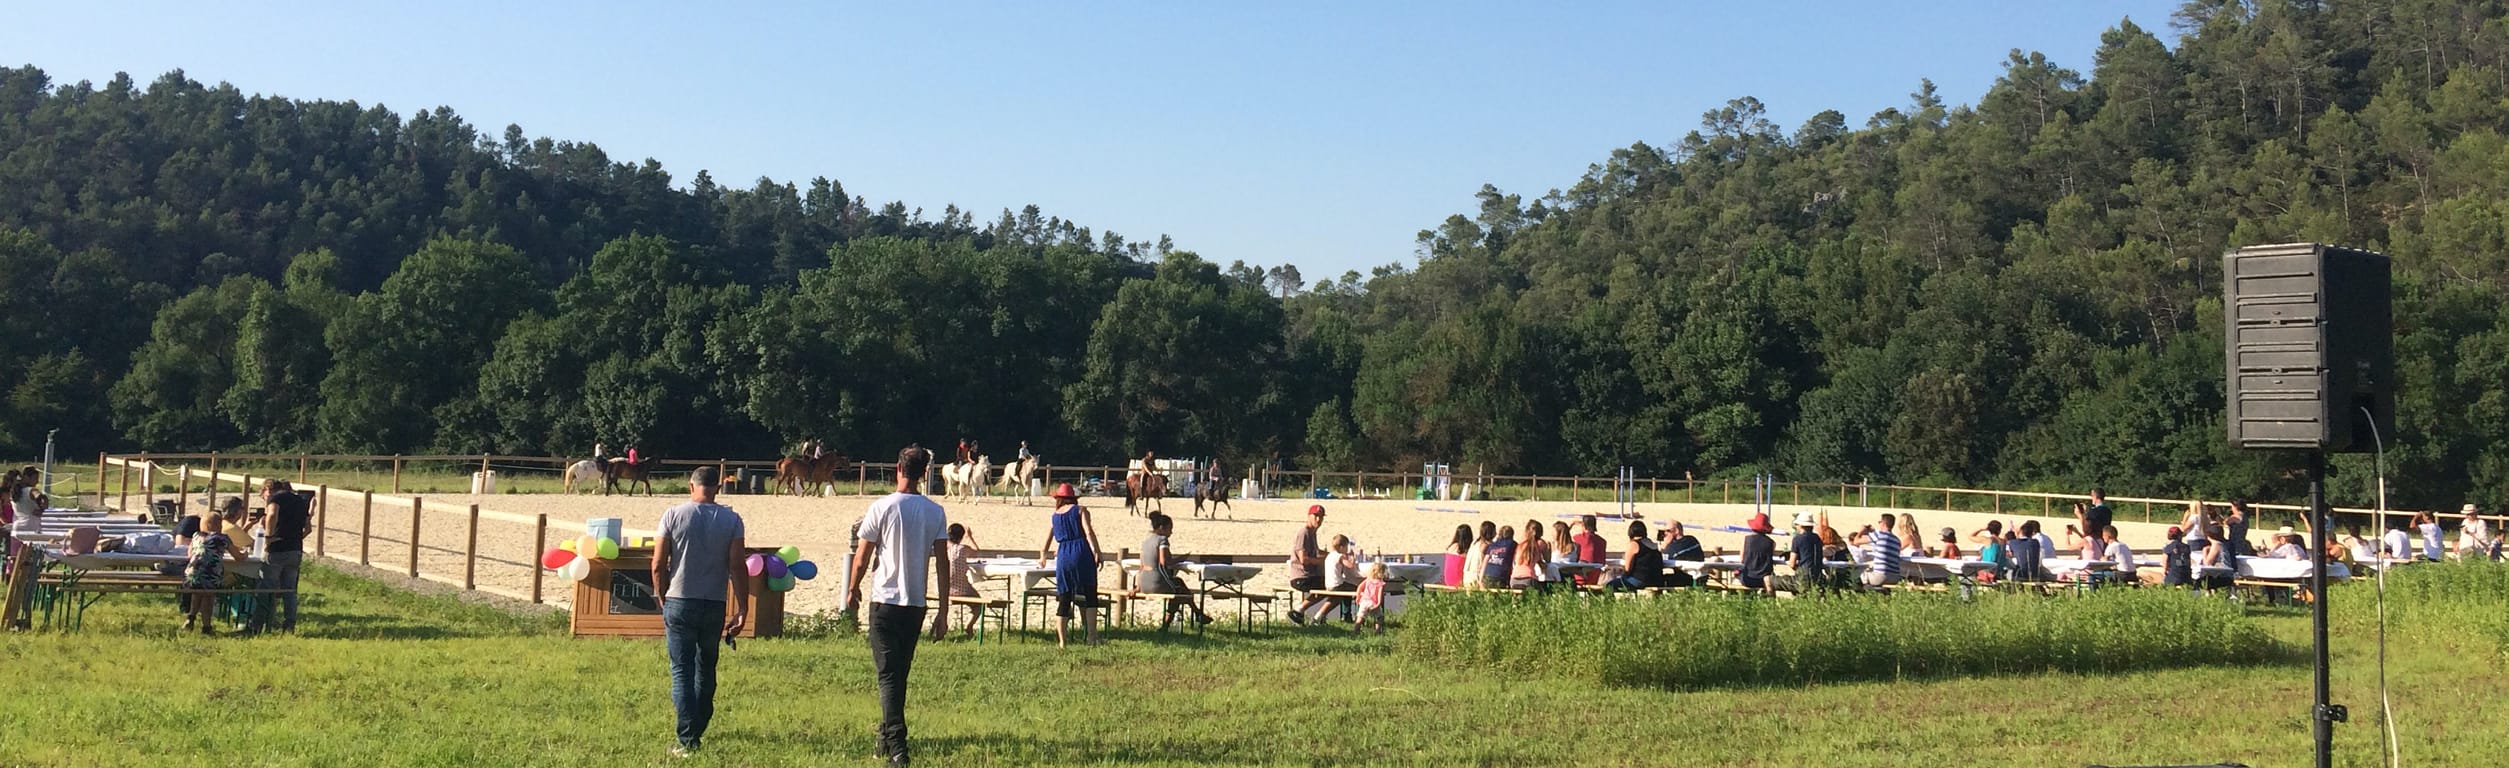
2468,509
1065,491
1759,522
2286,529
1806,520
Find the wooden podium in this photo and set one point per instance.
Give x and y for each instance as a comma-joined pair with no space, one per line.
617,599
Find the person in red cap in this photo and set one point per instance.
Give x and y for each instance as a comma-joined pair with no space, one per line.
1073,544
1759,555
1306,563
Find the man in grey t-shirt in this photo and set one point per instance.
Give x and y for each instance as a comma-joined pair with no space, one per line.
696,565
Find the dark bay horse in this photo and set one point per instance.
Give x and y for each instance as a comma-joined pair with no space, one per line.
634,474
1145,489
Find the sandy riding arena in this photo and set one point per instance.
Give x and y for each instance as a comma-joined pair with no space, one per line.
818,525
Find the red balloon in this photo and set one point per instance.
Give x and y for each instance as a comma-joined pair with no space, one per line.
556,558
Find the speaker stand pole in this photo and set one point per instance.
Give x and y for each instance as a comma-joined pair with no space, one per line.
2326,714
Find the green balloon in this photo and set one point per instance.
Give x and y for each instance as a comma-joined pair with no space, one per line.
781,583
609,548
790,554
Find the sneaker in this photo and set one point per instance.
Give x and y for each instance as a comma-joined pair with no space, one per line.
683,750
1298,617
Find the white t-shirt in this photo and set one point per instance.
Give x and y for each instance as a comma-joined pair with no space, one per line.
2399,544
2047,544
901,528
2122,555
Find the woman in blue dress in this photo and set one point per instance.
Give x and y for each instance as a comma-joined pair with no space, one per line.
1073,547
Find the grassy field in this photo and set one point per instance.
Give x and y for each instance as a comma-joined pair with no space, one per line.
382,677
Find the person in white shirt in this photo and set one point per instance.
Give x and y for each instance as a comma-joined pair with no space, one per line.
2117,552
2398,544
908,534
2362,550
2474,538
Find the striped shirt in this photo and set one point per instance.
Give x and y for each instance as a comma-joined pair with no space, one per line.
1884,547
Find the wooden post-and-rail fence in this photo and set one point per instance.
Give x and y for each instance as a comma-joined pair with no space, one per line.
145,470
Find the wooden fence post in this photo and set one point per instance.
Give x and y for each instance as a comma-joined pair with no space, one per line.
2047,505
213,481
415,504
396,473
100,478
1654,493
302,464
322,519
539,544
183,488
470,552
1999,502
1797,490
366,529
1729,491
126,486
1573,482
862,476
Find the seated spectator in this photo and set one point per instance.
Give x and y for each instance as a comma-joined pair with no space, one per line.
2474,537
2287,546
1998,552
1645,564
1475,559
2361,550
2223,567
2028,553
1833,546
1341,574
1883,551
1533,557
1993,533
1589,545
2177,560
1680,545
1158,572
1951,545
962,550
1499,559
1458,552
2117,552
1758,556
1911,542
1805,554
2398,543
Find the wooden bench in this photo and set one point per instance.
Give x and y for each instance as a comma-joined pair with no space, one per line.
993,609
83,591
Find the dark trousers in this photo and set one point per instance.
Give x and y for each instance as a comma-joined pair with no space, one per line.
893,630
693,631
279,571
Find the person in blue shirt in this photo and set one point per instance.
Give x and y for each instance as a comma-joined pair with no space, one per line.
1759,556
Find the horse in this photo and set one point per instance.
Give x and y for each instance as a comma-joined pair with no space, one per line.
639,473
581,474
1214,489
1015,476
1145,488
967,479
815,468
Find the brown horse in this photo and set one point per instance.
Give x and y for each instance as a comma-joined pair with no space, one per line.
639,473
1145,488
794,474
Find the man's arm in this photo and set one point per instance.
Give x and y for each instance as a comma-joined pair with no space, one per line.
733,558
661,565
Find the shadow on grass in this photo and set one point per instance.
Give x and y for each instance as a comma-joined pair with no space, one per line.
1084,750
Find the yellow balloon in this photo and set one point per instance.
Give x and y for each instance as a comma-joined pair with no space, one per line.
568,545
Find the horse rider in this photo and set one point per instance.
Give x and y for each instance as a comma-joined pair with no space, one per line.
1024,455
631,454
965,450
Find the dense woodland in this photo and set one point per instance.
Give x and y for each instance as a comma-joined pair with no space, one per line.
2022,292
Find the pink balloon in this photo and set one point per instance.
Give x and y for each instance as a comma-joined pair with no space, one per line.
757,564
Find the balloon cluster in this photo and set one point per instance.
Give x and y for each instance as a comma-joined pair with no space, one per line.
572,558
783,568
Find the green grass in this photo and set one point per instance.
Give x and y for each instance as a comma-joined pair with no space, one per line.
1739,640
381,677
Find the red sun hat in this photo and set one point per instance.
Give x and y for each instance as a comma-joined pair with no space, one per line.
1759,522
1065,491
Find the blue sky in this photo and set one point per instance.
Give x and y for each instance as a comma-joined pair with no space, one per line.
1324,135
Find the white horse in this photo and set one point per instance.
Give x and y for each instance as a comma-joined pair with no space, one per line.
1015,477
582,474
967,479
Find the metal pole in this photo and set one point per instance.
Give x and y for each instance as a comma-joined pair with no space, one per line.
2327,714
48,463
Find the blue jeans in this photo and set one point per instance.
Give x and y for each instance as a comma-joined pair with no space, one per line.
693,631
280,570
1626,583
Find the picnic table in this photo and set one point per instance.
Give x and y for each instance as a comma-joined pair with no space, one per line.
1221,581
55,582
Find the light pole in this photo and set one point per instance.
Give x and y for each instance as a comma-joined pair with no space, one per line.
48,461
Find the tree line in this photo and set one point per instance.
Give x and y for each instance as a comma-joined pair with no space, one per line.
2021,292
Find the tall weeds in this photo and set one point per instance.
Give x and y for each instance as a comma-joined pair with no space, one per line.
1696,640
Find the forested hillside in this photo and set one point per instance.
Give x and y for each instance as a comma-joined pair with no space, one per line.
2020,292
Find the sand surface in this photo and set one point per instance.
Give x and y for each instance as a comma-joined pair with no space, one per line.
818,525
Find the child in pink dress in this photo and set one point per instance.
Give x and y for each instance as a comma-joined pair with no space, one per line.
1371,599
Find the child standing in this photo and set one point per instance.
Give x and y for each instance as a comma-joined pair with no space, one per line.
207,572
1371,599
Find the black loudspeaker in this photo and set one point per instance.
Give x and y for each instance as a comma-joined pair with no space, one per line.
2310,347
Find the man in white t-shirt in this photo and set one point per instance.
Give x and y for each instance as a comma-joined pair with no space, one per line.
908,536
